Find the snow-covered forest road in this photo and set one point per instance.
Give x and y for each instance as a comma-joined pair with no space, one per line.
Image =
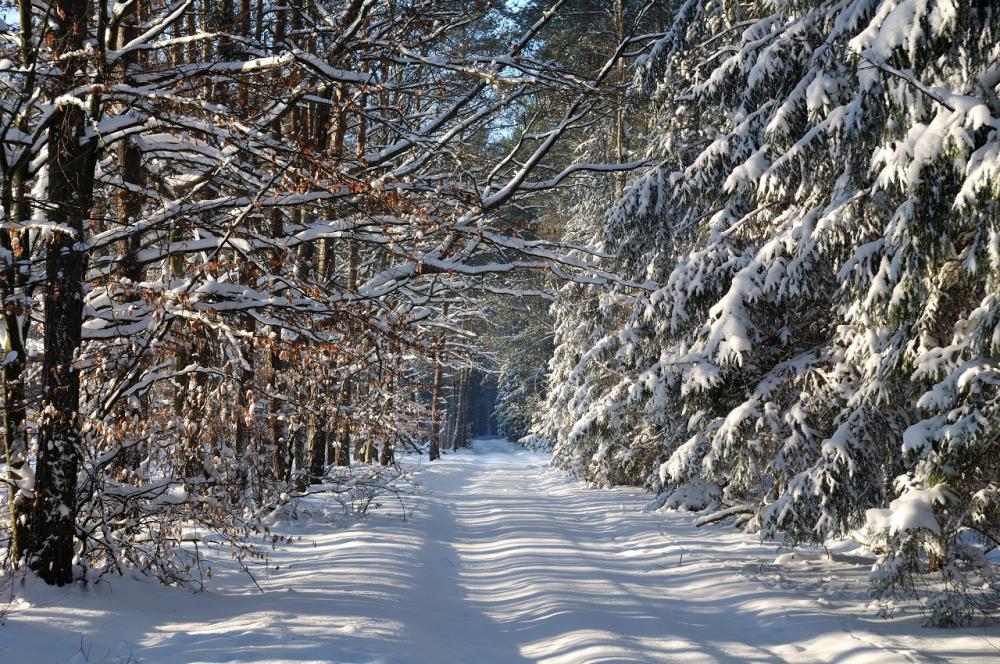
502,561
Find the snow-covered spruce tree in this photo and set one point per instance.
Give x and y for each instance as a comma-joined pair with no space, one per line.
573,314
588,317
823,231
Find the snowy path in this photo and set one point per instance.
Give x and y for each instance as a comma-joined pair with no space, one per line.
504,561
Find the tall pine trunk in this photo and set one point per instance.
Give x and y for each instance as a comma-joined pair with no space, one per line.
70,189
460,437
130,201
435,447
281,463
15,315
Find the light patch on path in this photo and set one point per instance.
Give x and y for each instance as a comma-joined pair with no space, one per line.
504,561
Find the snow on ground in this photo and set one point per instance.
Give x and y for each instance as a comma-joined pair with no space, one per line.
504,561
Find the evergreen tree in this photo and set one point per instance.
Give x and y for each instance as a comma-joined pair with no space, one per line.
820,345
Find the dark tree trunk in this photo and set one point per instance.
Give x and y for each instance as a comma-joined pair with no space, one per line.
242,442
280,465
317,451
280,452
450,409
435,447
130,202
15,439
70,189
460,437
344,445
298,435
15,316
243,436
387,455
360,391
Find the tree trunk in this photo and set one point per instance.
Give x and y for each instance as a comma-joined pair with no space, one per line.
344,444
243,436
130,201
280,452
317,450
298,435
15,438
450,408
386,456
70,189
15,319
461,435
435,447
619,27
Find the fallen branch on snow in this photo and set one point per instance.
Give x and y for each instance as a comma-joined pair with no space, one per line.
724,514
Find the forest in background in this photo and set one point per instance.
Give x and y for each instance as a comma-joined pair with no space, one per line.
743,254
